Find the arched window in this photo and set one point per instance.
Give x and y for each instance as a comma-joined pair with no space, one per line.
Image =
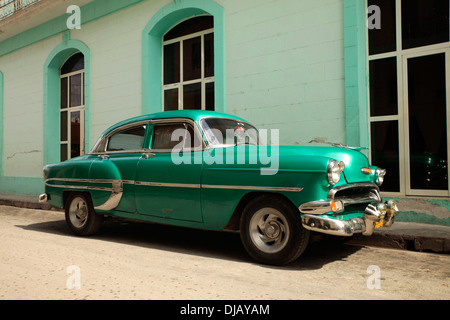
72,107
188,65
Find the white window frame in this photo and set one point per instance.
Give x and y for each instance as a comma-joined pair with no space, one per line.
179,85
402,117
69,111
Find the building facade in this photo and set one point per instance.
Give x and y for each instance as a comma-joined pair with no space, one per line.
359,72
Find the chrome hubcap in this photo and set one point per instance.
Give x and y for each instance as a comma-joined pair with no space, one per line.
269,230
78,212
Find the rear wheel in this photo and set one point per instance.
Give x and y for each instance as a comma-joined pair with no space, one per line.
272,232
80,215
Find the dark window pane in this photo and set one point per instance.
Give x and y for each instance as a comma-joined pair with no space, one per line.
427,122
172,63
190,26
63,127
74,63
75,90
75,139
64,93
424,22
383,39
192,96
130,139
385,152
162,136
209,99
383,87
209,55
171,99
192,59
63,151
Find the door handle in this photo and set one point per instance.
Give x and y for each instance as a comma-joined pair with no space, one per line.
147,155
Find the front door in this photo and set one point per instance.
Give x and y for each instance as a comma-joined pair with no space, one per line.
168,177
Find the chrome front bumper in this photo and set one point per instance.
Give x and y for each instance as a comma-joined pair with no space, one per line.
373,218
322,216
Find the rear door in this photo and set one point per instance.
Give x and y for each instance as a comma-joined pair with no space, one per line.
118,162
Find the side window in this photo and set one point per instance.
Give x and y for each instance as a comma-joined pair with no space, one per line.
169,137
128,139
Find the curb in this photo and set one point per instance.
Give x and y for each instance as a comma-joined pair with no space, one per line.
409,236
25,204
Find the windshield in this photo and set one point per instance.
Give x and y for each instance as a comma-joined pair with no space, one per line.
222,131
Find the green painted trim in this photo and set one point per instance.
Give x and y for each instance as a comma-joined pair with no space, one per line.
152,36
356,73
52,96
89,12
1,124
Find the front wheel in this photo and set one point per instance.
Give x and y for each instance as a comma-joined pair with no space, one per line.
272,232
80,215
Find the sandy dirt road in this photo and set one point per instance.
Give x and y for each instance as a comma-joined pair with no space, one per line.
40,259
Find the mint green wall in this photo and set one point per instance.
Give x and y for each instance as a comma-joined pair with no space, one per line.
285,67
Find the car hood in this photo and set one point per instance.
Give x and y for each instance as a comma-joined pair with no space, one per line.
304,159
354,160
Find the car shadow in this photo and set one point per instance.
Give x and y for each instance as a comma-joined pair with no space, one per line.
212,244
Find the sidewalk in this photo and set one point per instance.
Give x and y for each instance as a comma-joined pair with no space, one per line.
401,235
22,201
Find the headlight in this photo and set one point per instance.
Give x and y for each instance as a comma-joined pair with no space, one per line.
380,173
334,170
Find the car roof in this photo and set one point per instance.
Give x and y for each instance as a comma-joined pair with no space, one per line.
194,115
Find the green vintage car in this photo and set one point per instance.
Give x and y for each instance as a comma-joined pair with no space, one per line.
214,171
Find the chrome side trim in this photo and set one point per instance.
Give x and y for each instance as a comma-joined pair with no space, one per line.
279,189
114,198
170,185
80,181
110,204
159,184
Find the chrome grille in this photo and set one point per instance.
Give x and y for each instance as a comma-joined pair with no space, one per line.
356,193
